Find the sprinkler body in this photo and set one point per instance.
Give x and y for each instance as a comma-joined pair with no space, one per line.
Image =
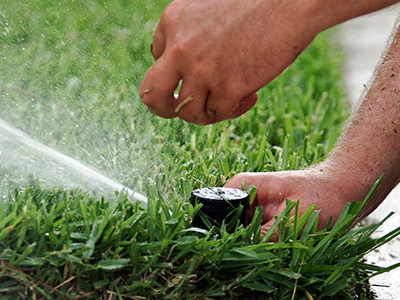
218,203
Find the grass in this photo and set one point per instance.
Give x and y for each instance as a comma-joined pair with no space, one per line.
70,77
65,245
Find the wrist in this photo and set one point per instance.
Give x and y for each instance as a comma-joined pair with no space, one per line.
316,15
344,181
353,183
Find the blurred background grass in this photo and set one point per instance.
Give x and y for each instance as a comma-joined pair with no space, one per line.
70,74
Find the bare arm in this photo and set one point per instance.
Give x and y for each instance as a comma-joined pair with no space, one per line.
368,148
370,145
226,50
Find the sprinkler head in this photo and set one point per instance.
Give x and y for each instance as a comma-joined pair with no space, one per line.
218,203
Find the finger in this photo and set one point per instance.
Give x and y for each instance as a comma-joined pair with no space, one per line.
220,106
159,42
157,88
224,106
269,194
191,101
244,106
237,182
267,227
198,111
170,17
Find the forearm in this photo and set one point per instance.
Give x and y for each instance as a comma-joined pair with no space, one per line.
370,146
327,14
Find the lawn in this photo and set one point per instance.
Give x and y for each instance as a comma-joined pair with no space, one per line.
70,74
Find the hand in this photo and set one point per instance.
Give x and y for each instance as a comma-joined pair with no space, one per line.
368,148
223,51
313,186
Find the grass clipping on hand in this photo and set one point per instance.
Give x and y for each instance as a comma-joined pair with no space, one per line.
67,245
183,103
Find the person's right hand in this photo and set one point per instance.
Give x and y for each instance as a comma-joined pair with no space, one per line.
223,51
321,186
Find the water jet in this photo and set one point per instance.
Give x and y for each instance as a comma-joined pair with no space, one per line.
24,156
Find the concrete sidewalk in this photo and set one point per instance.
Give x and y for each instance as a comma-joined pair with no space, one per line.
363,40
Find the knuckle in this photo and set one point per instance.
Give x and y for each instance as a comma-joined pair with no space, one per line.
181,47
170,15
195,63
200,68
151,102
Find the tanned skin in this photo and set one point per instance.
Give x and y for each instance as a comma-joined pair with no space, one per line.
368,148
224,51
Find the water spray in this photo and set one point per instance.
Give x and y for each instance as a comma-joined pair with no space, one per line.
21,153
